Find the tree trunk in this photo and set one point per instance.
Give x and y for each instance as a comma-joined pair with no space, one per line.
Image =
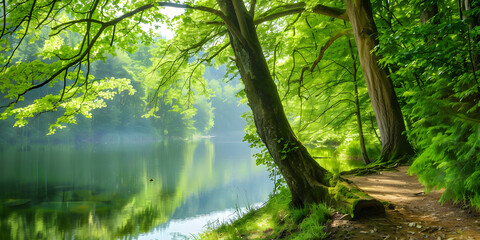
473,17
380,87
429,10
363,149
473,20
306,179
358,114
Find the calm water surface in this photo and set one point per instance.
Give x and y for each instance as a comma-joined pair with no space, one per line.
164,190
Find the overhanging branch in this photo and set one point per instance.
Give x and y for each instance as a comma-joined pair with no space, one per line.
252,7
327,45
216,12
296,8
276,15
331,11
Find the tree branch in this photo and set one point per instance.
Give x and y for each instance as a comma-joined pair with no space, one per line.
54,75
295,8
327,45
278,15
239,7
129,14
104,25
204,9
29,16
273,13
331,11
328,108
70,23
4,5
252,7
48,14
216,53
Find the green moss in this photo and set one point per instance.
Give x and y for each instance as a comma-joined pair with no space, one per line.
348,199
341,190
276,220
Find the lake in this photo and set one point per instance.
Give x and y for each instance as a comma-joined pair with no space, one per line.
160,190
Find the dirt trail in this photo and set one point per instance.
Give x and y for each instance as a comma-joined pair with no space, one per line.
415,215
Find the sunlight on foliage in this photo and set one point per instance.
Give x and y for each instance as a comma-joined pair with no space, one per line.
440,91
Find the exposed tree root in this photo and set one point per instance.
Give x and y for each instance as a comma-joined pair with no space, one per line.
375,167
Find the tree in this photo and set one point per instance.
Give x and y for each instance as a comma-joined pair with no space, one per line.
103,31
307,181
80,94
380,86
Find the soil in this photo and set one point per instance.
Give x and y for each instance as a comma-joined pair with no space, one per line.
411,215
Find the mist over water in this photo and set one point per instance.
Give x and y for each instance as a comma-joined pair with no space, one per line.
108,191
119,175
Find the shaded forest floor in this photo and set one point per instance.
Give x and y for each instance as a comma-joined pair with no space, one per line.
414,214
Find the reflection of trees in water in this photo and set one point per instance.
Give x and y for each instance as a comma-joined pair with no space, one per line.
105,194
335,159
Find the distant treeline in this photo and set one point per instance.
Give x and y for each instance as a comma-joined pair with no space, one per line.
123,120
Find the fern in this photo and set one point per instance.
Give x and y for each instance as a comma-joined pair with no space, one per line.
441,97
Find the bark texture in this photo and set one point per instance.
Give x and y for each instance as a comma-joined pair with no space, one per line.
380,87
306,179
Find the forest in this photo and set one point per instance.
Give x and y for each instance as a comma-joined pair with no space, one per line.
383,84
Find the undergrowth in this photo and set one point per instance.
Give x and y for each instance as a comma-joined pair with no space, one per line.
276,220
436,70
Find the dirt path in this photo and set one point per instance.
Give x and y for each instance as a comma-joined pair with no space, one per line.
415,215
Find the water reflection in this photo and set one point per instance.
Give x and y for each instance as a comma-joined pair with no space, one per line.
335,159
120,191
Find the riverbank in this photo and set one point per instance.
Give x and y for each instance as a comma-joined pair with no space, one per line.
275,220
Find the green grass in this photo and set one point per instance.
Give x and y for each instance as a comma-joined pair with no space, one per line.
276,220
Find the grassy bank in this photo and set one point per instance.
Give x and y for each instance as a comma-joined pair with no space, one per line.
276,220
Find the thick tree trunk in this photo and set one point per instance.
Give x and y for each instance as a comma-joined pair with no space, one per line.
306,179
380,86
